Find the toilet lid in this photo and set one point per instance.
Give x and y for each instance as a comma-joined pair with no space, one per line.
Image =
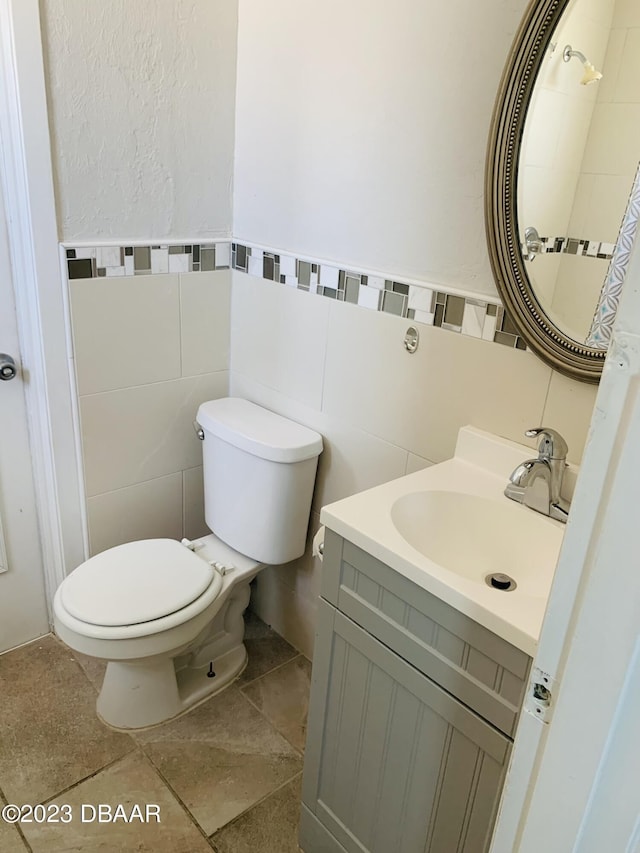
135,583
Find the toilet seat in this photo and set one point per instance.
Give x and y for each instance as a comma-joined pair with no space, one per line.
108,597
136,582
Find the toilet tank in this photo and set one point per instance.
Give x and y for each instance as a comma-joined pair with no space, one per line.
259,472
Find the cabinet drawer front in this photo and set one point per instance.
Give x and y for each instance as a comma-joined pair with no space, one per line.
482,670
394,763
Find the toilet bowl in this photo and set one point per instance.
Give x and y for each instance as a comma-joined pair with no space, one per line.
167,615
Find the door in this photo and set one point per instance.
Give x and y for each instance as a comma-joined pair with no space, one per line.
393,762
23,608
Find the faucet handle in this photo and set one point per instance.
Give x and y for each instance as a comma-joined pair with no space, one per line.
552,444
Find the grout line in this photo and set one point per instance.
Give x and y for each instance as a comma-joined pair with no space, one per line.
90,776
275,668
300,752
4,801
172,791
254,805
151,384
546,398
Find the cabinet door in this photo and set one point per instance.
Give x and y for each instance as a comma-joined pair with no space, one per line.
393,762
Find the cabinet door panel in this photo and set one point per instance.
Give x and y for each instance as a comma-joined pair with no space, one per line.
398,764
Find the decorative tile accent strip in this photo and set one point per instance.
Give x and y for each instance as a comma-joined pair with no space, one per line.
575,246
99,261
475,318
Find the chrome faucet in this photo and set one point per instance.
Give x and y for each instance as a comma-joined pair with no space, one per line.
536,483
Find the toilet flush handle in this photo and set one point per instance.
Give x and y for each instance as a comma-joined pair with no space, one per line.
199,431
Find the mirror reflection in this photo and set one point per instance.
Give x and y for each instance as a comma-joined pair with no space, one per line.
578,190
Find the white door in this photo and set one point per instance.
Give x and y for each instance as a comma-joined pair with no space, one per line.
23,608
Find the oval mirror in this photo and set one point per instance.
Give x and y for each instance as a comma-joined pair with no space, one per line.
562,180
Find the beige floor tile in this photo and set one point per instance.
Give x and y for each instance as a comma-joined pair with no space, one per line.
269,827
94,668
131,781
221,758
265,649
283,697
50,734
10,840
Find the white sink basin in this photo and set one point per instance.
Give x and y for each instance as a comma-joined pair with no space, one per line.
474,537
447,527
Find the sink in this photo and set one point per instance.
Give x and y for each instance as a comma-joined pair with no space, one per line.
473,536
446,527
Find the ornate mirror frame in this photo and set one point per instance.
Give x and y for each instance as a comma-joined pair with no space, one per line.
501,195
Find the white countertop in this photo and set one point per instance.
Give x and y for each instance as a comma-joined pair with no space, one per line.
481,466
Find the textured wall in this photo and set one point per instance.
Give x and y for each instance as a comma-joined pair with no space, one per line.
141,98
361,131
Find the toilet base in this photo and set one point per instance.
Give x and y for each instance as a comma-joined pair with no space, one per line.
145,692
158,693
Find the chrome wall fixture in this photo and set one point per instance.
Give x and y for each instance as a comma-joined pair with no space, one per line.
532,243
591,75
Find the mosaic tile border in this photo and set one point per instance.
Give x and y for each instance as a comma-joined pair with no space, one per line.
575,246
153,259
473,317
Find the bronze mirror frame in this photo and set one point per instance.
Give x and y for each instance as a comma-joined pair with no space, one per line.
501,196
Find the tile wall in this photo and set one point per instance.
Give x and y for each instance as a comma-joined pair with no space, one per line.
148,349
383,412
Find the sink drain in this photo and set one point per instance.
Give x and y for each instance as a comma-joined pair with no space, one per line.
497,580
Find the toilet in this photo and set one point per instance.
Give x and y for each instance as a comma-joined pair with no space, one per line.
167,615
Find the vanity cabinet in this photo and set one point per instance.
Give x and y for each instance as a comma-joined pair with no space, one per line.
412,712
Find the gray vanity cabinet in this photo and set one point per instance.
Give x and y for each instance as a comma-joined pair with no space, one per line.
397,759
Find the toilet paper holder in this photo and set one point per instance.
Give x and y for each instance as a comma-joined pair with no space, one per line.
317,548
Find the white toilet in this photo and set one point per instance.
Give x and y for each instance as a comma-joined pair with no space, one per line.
167,615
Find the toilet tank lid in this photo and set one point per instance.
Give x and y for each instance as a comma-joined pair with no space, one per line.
258,431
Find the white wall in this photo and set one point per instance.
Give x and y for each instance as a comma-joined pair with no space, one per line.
361,131
344,371
141,103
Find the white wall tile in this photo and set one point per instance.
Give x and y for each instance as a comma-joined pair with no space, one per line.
148,510
194,524
205,312
287,265
416,463
473,320
329,276
368,297
304,575
489,327
136,434
159,260
126,331
613,153
108,256
352,459
627,14
292,616
278,337
179,263
420,298
223,255
419,401
568,409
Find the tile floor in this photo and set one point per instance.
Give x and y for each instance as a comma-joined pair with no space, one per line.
226,776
